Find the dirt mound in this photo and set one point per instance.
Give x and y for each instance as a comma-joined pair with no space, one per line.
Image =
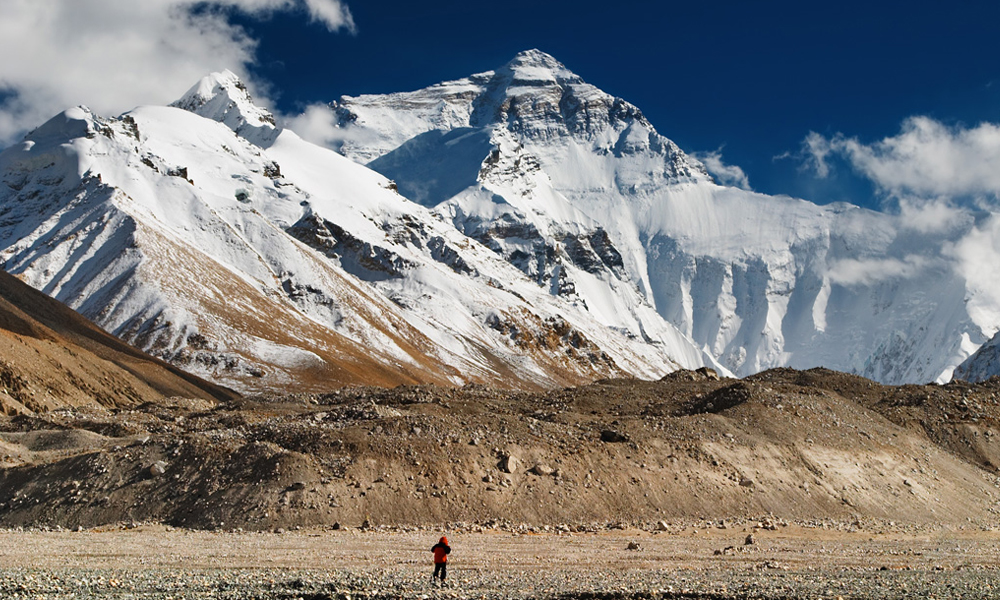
51,357
783,442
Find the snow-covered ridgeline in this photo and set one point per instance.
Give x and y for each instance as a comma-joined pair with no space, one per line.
212,238
539,165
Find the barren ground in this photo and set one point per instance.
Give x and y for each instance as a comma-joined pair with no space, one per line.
797,445
795,561
850,489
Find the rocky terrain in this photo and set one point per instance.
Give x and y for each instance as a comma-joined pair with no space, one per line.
787,484
795,445
690,559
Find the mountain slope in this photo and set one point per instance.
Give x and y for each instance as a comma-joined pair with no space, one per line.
795,445
577,189
54,358
225,245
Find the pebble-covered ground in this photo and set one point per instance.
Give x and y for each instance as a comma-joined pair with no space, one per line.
694,560
569,584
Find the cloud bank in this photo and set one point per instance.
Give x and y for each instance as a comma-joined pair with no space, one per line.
945,182
925,159
113,55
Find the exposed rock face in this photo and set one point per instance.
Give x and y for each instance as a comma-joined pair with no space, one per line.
356,256
982,365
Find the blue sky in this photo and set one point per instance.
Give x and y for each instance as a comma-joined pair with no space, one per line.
896,99
749,78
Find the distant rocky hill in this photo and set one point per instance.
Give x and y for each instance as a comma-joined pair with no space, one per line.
780,445
51,358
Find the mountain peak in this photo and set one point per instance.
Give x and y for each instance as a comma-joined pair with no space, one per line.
223,97
535,56
536,67
72,123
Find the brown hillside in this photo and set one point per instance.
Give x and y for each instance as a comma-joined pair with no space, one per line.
51,357
797,445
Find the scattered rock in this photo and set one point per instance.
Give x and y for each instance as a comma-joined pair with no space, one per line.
543,470
611,436
509,463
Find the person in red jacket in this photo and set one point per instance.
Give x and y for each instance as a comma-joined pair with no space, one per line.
441,551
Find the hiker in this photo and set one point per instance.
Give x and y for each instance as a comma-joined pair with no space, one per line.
441,551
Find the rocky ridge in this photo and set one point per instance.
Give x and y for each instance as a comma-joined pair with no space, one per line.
52,358
797,445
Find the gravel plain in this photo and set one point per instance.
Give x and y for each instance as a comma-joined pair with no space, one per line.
688,560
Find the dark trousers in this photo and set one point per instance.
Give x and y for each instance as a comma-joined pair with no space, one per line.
441,568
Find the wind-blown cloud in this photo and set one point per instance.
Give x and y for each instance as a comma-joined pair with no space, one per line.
731,175
926,159
113,55
932,216
977,258
331,12
866,272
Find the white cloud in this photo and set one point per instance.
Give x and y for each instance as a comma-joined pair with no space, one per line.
731,175
318,124
113,55
315,124
866,272
926,159
933,216
977,259
817,148
331,12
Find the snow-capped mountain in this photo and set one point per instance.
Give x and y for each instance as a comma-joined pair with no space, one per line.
577,189
206,235
982,365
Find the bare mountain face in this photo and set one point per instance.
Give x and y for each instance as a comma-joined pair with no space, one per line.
208,237
576,189
53,358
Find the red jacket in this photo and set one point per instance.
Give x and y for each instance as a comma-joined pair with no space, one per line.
441,551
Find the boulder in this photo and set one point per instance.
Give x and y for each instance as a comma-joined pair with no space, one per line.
509,463
543,470
612,436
